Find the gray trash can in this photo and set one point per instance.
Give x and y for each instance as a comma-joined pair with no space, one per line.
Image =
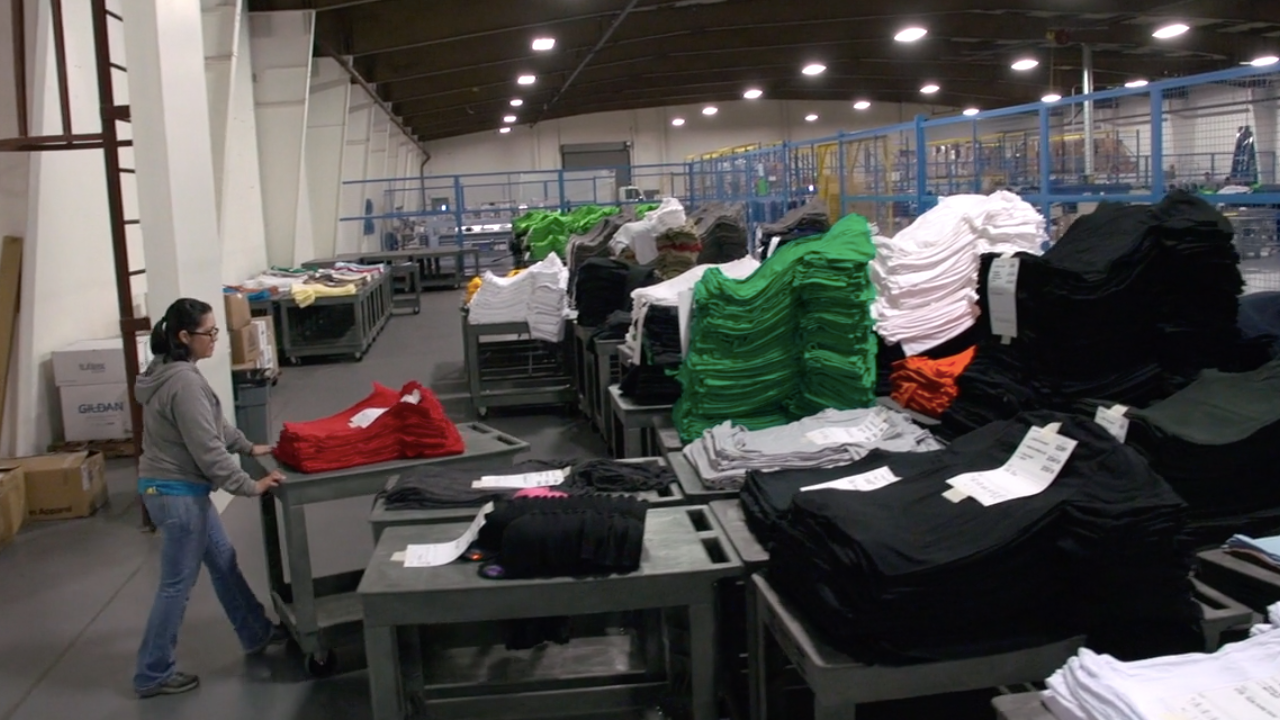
252,390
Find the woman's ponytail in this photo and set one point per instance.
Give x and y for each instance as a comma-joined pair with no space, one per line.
160,339
185,314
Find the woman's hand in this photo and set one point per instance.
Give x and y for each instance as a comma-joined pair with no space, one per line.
260,450
273,479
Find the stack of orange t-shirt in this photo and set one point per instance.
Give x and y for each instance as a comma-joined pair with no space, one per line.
387,425
928,386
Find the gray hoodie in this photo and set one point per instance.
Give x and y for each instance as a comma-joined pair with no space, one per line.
185,436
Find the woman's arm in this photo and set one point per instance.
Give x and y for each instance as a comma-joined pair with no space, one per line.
236,440
201,426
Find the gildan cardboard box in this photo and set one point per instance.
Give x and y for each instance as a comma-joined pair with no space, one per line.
63,485
244,344
13,500
96,412
237,306
266,342
95,362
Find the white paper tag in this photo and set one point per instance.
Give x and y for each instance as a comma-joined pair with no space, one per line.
1113,420
1256,699
868,431
1002,296
864,482
365,418
444,553
684,307
544,478
86,478
1030,471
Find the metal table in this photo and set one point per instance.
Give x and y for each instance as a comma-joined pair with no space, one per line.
729,514
426,259
510,369
410,297
345,325
380,518
691,481
1021,706
321,611
632,424
1253,584
582,366
685,553
606,371
668,436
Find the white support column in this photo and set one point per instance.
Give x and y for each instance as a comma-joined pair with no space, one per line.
241,221
325,144
281,45
219,24
377,165
355,161
174,159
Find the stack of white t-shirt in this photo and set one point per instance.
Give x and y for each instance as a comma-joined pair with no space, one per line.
667,293
1241,681
926,277
538,296
641,236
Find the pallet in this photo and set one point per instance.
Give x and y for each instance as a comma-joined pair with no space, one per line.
110,449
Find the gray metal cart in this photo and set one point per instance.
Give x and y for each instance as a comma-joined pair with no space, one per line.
633,433
691,481
345,325
432,272
685,554
507,368
322,611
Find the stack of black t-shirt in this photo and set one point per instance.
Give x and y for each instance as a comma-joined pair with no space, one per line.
903,574
594,242
721,230
1260,320
805,221
1129,306
604,286
650,381
550,537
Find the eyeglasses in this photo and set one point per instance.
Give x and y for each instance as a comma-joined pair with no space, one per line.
211,334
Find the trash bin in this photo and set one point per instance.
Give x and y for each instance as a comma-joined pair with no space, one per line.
252,392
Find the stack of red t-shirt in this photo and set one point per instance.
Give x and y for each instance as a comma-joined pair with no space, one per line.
928,386
387,425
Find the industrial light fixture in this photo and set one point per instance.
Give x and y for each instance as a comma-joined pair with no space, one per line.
677,121
930,89
1136,83
970,112
910,34
1264,61
543,43
1170,31
509,119
516,102
1051,98
753,93
527,79
862,105
811,117
814,69
710,110
504,131
1025,64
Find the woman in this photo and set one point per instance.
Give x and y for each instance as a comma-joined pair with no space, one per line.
187,451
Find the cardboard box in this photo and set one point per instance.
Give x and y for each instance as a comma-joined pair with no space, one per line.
96,362
13,500
96,412
237,306
244,344
64,485
266,343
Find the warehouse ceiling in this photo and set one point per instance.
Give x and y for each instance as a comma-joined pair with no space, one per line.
450,67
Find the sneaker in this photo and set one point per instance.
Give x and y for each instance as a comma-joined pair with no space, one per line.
176,684
279,634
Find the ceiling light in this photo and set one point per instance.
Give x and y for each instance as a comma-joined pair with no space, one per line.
972,111
810,117
1170,31
504,131
1051,98
526,79
861,105
752,94
814,69
911,34
1025,64
543,43
1136,84
677,121
710,110
930,89
516,102
1264,61
509,119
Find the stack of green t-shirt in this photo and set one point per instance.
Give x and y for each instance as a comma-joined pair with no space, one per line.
789,341
548,231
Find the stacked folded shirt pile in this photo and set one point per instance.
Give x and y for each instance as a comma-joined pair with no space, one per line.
638,239
833,438
927,275
1260,319
558,536
667,294
604,286
1263,550
899,573
722,230
386,425
928,386
678,250
536,296
1128,306
545,232
793,339
805,221
651,380
594,242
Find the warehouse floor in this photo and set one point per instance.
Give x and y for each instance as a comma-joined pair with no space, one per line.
74,595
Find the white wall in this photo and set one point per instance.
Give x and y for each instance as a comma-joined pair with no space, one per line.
325,143
242,225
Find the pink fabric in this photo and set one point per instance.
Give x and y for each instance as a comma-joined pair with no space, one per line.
545,492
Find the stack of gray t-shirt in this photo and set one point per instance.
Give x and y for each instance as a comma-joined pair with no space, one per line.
832,438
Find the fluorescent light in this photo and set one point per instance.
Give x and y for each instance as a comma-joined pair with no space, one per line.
526,79
1136,84
861,105
911,34
504,131
752,94
810,117
972,111
930,89
677,121
814,69
516,102
1025,64
509,119
1051,98
1264,61
543,43
710,110
1170,31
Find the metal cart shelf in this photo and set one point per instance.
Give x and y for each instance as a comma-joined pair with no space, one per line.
432,272
320,612
345,325
507,368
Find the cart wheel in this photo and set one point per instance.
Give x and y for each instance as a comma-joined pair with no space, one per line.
482,412
295,361
358,356
417,311
321,664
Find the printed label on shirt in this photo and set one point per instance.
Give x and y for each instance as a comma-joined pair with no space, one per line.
365,418
1113,421
545,478
1030,471
434,554
1002,296
864,482
1257,699
868,431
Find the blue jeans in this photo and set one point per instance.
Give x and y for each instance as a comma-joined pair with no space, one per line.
192,534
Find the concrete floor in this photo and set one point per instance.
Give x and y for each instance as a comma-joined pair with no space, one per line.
74,595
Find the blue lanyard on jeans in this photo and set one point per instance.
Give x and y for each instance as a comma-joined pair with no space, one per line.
149,486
